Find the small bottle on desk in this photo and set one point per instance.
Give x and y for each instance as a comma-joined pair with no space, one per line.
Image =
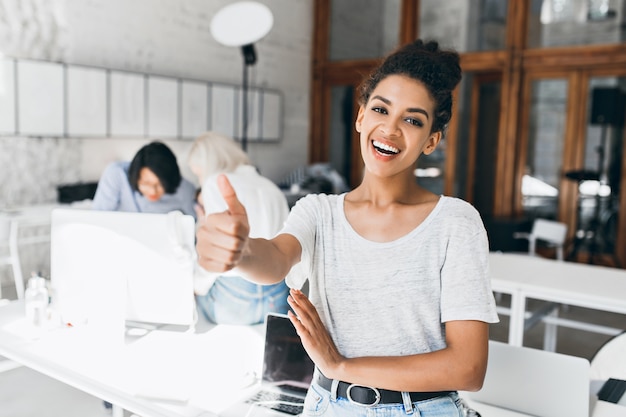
36,300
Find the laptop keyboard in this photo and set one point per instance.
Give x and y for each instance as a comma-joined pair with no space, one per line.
278,401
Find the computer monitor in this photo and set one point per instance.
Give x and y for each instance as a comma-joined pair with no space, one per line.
95,255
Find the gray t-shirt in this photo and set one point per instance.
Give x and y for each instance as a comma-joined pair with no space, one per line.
392,298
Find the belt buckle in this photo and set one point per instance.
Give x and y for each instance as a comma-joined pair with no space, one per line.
375,390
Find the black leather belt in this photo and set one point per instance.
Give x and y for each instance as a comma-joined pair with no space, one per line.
368,396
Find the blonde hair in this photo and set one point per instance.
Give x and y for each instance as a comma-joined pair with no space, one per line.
213,153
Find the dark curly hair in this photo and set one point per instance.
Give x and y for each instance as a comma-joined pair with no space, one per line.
436,68
160,159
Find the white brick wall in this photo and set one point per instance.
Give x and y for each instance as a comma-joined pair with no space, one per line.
166,37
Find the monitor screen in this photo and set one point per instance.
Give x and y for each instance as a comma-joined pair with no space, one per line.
103,260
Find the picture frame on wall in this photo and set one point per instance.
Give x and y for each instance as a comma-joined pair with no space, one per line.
163,107
86,102
40,103
7,97
271,116
194,112
127,104
224,117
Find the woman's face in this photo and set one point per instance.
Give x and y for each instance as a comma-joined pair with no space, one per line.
395,126
149,185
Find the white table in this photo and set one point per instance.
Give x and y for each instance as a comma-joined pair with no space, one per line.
523,277
163,374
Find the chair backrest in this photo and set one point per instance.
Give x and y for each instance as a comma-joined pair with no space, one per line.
550,231
9,251
610,360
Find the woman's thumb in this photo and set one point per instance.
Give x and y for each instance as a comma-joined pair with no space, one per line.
229,196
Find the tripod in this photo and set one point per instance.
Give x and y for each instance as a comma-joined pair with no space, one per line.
595,235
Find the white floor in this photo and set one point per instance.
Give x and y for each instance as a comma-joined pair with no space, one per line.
26,393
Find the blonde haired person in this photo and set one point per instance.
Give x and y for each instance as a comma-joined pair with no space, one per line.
229,298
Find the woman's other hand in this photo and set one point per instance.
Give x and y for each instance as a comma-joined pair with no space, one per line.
313,333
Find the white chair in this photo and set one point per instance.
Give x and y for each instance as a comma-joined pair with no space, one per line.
549,232
552,234
610,360
10,254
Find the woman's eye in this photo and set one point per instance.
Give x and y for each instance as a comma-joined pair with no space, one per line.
415,122
381,110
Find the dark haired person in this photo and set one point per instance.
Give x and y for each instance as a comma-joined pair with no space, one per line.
150,183
399,305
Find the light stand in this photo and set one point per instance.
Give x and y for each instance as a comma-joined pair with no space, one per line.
249,59
241,24
594,224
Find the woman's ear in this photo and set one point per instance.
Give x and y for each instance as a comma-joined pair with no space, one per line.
432,143
359,119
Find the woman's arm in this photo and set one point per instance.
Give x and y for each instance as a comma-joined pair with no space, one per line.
459,366
223,244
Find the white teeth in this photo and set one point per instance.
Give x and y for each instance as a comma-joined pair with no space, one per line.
385,147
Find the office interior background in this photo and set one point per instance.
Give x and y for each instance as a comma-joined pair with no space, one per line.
522,143
525,142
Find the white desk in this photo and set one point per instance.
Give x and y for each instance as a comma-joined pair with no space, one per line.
523,277
189,373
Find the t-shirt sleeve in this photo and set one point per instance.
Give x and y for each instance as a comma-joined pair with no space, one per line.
466,292
301,224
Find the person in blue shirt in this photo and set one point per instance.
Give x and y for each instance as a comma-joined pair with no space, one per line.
150,183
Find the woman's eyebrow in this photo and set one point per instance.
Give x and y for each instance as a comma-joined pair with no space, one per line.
410,110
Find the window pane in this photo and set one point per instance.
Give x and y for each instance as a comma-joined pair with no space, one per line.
363,29
474,180
540,183
341,128
575,22
600,180
467,26
430,170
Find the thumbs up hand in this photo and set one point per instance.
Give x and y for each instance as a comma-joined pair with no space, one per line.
222,238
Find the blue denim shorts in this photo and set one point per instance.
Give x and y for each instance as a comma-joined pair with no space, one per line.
235,300
318,402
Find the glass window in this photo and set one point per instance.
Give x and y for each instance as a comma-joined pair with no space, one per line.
600,179
544,151
430,171
480,178
363,29
575,22
341,128
467,26
473,179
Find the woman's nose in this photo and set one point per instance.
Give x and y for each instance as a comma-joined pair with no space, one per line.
390,127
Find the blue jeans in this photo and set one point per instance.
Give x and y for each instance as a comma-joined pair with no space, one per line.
320,402
235,300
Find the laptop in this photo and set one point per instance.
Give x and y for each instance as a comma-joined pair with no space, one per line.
535,382
286,376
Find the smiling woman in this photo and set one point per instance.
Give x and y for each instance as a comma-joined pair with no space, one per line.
399,304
